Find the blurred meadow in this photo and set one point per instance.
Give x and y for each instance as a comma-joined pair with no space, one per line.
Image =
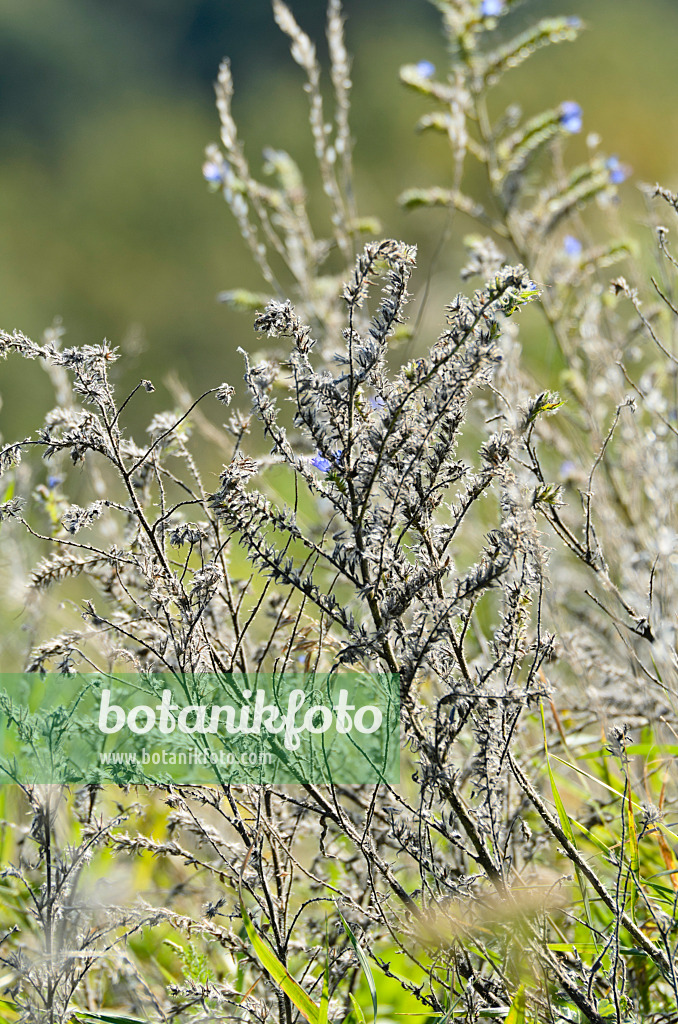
106,222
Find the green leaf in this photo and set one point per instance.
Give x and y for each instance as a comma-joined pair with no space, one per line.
544,404
566,826
603,847
279,973
325,997
415,197
584,183
110,1018
611,789
634,859
364,963
412,77
366,225
560,807
358,1011
243,300
519,49
547,494
438,121
7,1008
590,947
516,1014
607,255
517,150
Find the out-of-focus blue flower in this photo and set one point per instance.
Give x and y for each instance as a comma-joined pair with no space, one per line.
53,481
573,21
567,469
426,69
571,116
572,245
377,403
213,172
616,169
490,8
325,465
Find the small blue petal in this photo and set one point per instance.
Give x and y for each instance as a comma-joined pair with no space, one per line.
377,403
325,465
573,22
617,170
572,245
571,116
490,8
212,172
567,469
426,69
53,481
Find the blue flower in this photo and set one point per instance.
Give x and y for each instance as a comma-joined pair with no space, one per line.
573,22
571,116
617,170
325,465
377,403
426,69
213,172
490,8
572,245
53,481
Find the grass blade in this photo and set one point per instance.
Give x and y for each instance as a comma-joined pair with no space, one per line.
516,1014
364,963
325,997
109,1018
567,827
279,973
634,859
360,1016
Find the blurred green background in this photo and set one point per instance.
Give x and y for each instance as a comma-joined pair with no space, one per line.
105,109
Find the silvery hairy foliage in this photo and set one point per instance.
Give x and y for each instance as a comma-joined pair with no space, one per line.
372,579
62,929
616,368
506,550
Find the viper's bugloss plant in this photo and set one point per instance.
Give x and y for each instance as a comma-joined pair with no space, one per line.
504,544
